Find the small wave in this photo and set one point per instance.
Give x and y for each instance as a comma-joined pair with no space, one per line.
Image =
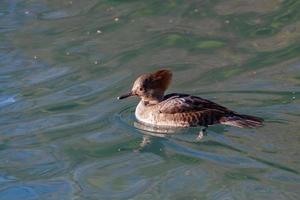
120,177
4,101
51,189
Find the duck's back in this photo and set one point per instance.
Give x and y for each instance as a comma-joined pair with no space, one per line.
183,110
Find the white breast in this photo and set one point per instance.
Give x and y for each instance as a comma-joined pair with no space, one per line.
151,116
144,114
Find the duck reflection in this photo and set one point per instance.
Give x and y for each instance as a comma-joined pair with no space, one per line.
150,132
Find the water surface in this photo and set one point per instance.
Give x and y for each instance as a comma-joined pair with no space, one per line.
64,135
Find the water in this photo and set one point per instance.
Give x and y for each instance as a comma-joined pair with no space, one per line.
63,134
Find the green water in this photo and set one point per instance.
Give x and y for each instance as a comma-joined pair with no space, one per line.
63,134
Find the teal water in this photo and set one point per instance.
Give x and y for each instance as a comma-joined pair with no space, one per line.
63,134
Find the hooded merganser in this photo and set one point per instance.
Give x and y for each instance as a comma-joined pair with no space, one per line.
180,110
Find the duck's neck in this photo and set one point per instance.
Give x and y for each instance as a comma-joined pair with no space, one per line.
153,100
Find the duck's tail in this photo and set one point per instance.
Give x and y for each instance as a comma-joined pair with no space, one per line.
242,121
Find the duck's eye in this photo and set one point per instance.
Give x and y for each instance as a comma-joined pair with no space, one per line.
141,89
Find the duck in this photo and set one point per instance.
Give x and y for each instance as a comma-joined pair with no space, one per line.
180,110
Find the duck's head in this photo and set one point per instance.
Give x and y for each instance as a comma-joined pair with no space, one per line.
150,87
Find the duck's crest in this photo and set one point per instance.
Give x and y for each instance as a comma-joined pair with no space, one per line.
161,79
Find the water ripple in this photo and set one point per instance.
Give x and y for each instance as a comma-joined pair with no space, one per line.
4,101
36,163
116,178
55,189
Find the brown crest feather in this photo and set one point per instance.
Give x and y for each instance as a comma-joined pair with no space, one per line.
161,79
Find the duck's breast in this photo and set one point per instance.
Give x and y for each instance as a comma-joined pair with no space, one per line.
151,115
145,114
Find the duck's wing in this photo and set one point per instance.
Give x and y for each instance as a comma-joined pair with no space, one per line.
207,112
183,103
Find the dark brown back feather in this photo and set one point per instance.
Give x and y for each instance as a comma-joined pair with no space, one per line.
206,112
178,103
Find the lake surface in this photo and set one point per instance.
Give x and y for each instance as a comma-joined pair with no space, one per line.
64,135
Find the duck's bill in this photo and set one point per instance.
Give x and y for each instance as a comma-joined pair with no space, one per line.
125,95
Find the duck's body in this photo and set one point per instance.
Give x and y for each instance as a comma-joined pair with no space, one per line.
154,114
180,110
183,110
